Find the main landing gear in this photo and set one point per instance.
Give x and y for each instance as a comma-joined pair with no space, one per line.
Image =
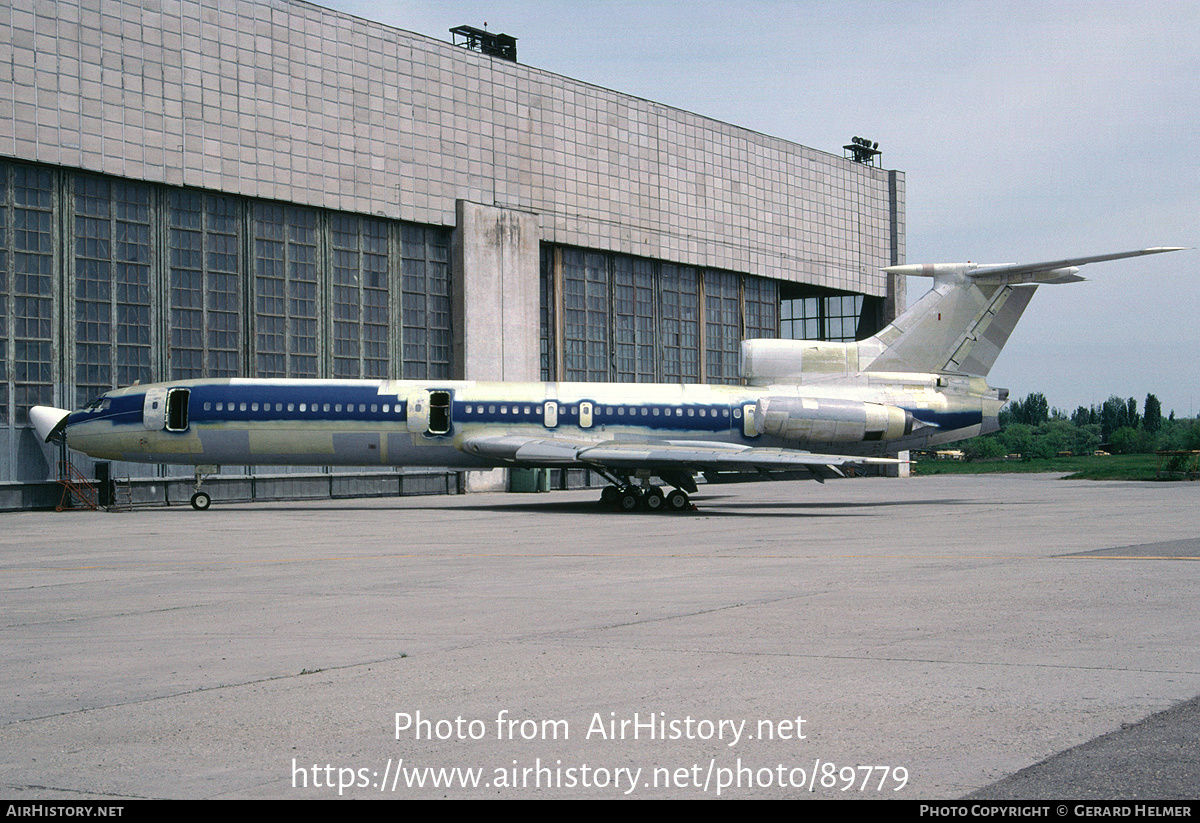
629,498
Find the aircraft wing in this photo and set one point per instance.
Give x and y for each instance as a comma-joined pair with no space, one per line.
624,455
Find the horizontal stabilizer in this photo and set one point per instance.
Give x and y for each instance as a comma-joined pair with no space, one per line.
961,325
1053,271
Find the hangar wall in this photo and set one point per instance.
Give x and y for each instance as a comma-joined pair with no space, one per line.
269,187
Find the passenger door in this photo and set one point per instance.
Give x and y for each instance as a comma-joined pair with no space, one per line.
154,410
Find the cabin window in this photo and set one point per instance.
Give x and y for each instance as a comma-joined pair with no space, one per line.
177,409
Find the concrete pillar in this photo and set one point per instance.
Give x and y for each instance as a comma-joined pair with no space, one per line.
497,266
497,324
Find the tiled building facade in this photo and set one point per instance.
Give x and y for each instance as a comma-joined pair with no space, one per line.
192,188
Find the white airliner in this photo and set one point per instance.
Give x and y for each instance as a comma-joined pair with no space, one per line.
807,406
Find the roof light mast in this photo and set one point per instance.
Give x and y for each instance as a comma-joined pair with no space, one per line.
862,150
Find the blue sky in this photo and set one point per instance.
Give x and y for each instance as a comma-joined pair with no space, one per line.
1026,131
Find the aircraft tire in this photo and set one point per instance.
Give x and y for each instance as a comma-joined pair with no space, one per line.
201,501
678,501
609,495
653,499
629,500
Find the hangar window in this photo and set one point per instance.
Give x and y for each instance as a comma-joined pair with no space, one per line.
113,250
205,240
815,313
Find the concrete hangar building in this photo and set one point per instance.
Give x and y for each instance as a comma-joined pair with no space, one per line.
269,188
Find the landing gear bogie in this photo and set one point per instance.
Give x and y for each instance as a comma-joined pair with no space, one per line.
645,498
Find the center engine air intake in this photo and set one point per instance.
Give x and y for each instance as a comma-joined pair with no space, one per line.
822,420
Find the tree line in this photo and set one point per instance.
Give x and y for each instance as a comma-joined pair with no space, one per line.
1032,428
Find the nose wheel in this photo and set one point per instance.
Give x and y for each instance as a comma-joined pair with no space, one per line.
201,499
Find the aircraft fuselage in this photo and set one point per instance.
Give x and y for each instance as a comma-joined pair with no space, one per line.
431,422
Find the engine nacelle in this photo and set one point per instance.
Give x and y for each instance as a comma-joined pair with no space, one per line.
829,420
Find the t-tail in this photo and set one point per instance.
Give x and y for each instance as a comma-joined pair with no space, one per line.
958,328
961,325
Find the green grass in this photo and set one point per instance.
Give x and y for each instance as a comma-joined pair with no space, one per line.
1113,467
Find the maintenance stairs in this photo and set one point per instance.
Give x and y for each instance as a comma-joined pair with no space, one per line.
78,491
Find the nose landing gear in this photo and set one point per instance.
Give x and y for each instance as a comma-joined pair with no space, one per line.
201,500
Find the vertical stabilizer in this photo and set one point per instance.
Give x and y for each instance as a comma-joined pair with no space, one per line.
958,327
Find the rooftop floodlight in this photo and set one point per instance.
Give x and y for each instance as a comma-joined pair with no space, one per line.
861,150
482,40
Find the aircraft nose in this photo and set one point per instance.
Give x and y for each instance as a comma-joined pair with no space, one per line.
48,421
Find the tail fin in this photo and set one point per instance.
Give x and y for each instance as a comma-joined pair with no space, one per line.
961,325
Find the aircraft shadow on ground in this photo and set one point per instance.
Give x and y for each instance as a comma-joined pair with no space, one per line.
707,506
